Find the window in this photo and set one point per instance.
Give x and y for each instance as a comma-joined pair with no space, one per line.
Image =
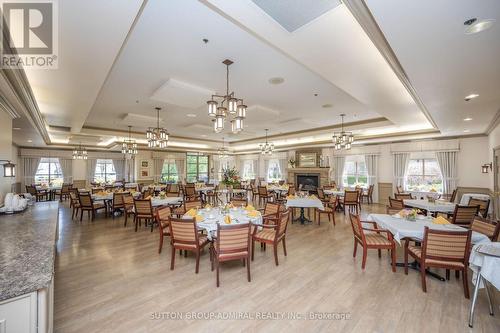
355,171
197,168
273,171
424,175
248,172
104,171
49,172
169,172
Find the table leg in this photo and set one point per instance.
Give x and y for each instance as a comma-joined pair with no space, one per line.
414,265
474,297
302,218
490,303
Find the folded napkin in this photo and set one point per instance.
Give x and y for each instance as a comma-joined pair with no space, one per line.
250,208
199,218
253,213
291,197
191,212
440,220
208,206
227,219
312,196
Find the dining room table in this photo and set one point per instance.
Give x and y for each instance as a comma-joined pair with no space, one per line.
402,229
334,192
424,194
438,206
166,201
303,202
211,217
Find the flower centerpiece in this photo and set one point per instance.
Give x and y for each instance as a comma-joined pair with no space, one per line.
230,176
409,214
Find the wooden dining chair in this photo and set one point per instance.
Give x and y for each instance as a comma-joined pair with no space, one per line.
372,240
143,211
63,193
453,195
190,193
264,195
484,205
368,195
238,202
403,196
128,207
38,194
90,206
232,243
329,210
441,249
322,197
270,211
163,215
464,215
396,203
74,203
185,236
186,206
399,189
350,201
490,228
117,204
272,234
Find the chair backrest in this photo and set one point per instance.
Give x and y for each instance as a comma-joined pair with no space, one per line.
391,210
192,204
163,215
483,205
239,202
254,189
143,207
73,196
396,203
128,200
357,228
351,197
291,190
190,191
183,232
328,187
233,239
464,215
321,194
65,188
446,245
271,208
403,196
453,195
283,218
173,194
487,227
370,190
399,189
85,200
117,199
262,190
31,189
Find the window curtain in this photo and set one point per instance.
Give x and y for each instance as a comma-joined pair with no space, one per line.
67,170
157,168
266,170
179,165
283,163
129,170
119,169
30,165
401,161
338,170
447,161
91,164
371,162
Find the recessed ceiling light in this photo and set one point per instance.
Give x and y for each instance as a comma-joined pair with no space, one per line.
467,119
16,128
466,130
30,141
326,106
471,96
473,26
191,115
276,80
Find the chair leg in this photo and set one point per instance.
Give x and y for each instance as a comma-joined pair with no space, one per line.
422,274
457,274
276,254
447,274
217,269
126,217
363,263
197,261
161,243
379,253
136,220
333,218
466,283
393,257
248,268
172,259
284,246
406,260
355,249
81,215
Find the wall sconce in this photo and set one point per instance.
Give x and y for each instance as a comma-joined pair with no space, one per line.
486,167
9,169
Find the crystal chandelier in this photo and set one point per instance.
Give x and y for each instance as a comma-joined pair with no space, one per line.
342,140
229,106
157,137
222,151
80,153
129,146
267,147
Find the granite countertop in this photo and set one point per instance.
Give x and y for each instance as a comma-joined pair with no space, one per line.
27,249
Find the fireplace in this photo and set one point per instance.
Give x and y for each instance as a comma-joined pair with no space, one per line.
310,182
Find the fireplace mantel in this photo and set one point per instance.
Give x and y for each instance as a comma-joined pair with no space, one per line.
323,174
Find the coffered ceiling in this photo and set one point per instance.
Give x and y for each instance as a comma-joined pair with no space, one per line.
136,55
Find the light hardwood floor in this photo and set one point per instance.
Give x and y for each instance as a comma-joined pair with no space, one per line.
111,279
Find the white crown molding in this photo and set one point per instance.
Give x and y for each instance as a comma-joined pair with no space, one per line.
7,107
494,123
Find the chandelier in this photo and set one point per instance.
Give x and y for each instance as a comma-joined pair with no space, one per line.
267,147
222,151
342,140
80,153
157,137
229,106
129,146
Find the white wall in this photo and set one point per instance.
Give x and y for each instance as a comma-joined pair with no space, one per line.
6,152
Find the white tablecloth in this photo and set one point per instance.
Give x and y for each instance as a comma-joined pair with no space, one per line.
424,194
131,185
156,201
212,217
401,228
438,206
305,203
109,196
334,192
467,196
490,265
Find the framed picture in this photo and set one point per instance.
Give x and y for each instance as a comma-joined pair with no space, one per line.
144,164
307,159
144,173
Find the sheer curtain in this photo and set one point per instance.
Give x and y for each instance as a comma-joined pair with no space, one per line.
266,170
91,164
157,168
179,165
447,161
67,169
30,165
371,162
338,168
283,163
119,169
401,161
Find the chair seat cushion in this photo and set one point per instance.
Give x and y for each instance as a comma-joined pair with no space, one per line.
179,211
376,239
235,255
265,234
417,251
202,240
